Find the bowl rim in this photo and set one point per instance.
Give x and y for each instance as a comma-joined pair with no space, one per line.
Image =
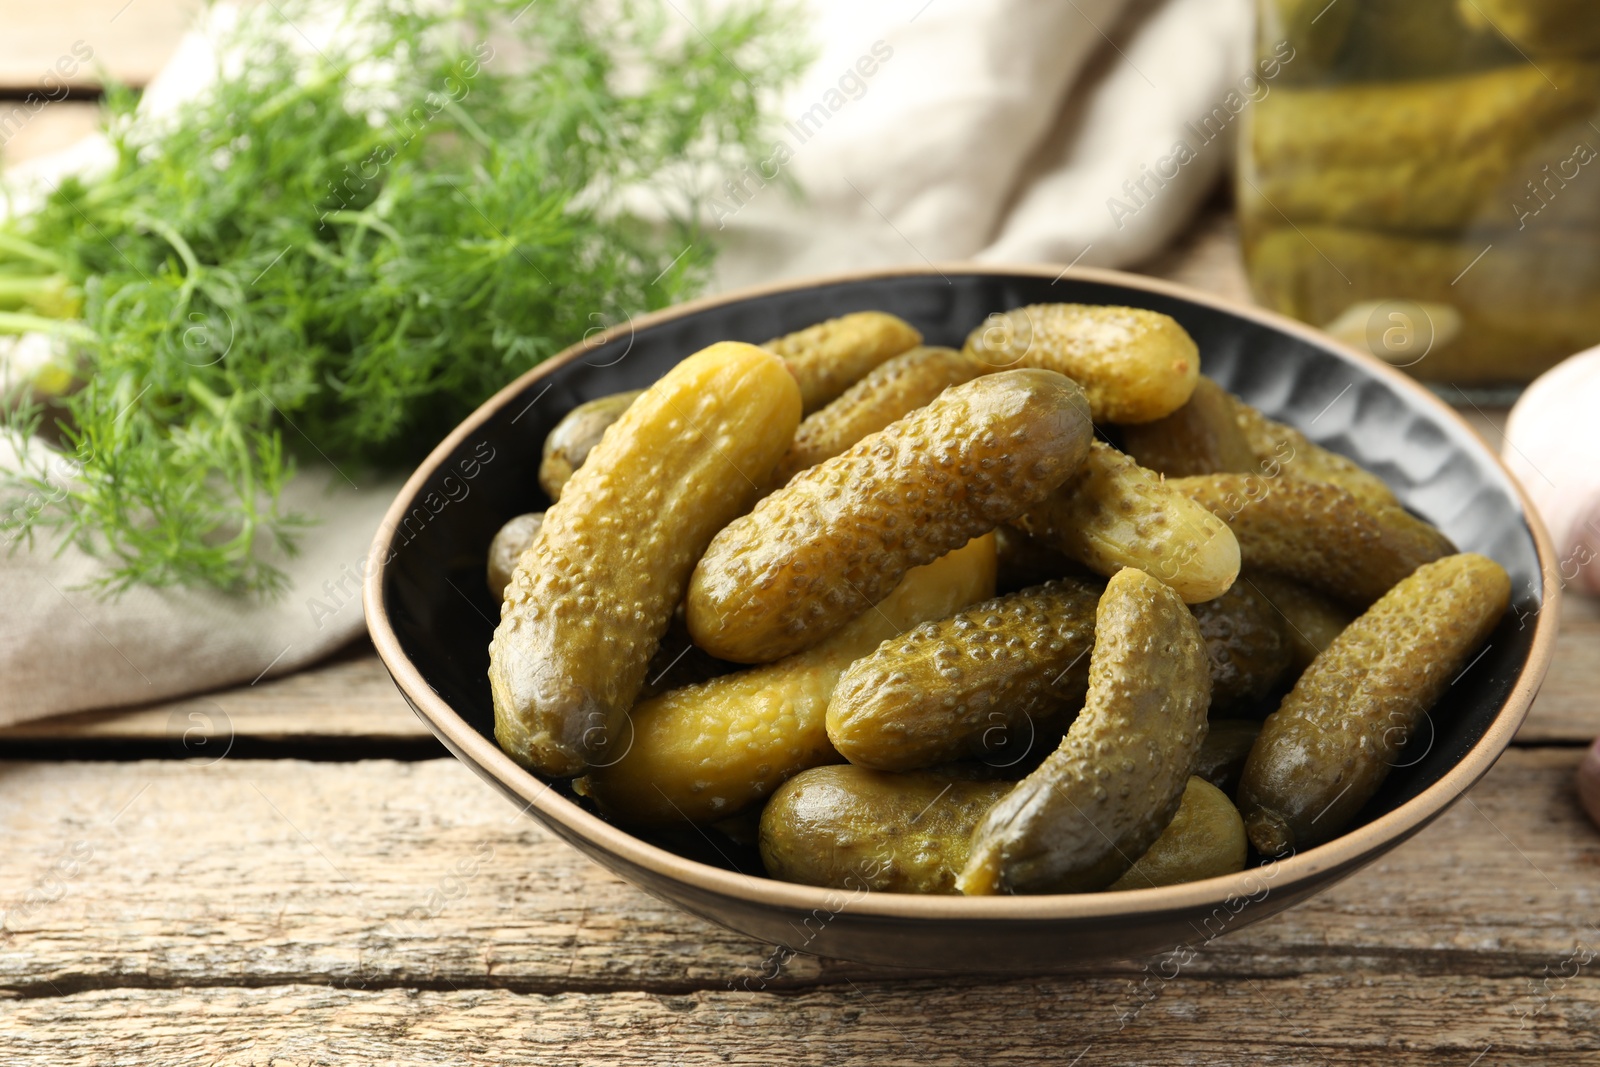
1346,850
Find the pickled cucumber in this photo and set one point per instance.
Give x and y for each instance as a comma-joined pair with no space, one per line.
1323,754
1311,620
1530,302
965,685
575,436
1429,155
1222,756
1543,27
1283,449
828,358
591,597
1113,514
709,751
1100,800
507,547
890,391
1202,437
1318,533
851,828
1134,365
1248,647
825,547
1204,840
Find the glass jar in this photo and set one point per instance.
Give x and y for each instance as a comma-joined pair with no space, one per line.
1423,179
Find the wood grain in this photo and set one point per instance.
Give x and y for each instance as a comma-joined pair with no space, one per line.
130,39
1331,1020
378,874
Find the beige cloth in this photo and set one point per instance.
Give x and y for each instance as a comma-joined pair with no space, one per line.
928,130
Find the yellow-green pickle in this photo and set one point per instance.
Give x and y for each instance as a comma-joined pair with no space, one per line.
825,547
1002,671
1205,839
1422,180
1096,803
1134,365
1113,513
707,751
890,391
1202,437
1318,533
852,828
1323,754
1281,449
830,357
591,597
575,436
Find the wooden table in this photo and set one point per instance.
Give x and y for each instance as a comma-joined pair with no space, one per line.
318,882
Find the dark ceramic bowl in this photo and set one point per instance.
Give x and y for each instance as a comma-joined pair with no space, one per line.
431,616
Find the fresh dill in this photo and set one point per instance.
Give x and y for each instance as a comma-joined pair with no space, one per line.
340,249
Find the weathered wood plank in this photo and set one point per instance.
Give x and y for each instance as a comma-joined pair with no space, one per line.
374,874
1340,1020
71,41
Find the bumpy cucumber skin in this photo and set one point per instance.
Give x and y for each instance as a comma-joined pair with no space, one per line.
963,686
828,358
1205,839
1318,533
1323,754
847,827
510,541
593,594
1100,800
1279,447
569,444
1134,365
1202,437
1113,513
1222,756
837,538
1249,649
889,392
708,751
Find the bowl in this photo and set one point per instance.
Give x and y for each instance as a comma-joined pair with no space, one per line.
431,616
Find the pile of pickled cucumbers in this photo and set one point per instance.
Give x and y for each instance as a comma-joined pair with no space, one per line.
1053,613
